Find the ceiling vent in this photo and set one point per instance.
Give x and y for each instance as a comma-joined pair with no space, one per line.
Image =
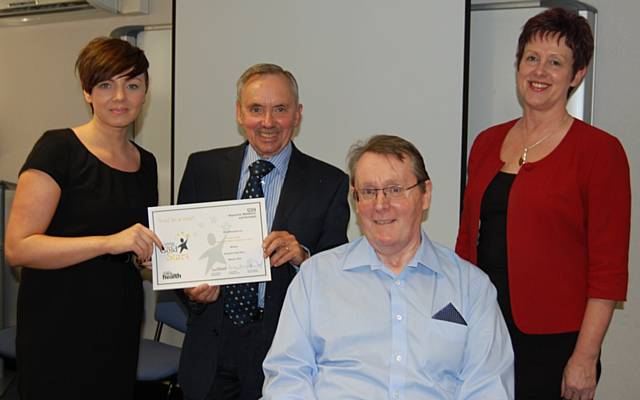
26,12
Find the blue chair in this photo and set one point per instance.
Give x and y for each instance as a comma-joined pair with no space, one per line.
157,361
8,343
7,353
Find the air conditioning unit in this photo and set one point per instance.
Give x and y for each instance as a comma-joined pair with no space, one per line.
26,12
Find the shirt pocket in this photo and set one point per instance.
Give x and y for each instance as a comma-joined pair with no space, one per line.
441,351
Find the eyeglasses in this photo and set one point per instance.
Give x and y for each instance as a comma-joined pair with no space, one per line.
390,192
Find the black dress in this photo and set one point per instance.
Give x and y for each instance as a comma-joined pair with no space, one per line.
539,359
79,327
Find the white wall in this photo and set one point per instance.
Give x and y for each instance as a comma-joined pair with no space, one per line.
39,87
376,67
153,127
617,103
617,100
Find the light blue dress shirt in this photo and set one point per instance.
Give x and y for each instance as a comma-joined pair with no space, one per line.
351,329
271,187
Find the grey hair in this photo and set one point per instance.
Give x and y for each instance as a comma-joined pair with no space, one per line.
266,69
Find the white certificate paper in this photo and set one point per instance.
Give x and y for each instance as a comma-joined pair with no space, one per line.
218,243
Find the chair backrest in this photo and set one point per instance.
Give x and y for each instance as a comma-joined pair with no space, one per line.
8,343
171,311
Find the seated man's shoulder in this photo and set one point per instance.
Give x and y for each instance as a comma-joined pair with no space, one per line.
455,265
328,260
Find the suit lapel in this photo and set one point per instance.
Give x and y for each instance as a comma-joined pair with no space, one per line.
230,172
293,189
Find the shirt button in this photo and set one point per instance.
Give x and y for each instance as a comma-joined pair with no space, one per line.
398,358
396,395
397,283
399,317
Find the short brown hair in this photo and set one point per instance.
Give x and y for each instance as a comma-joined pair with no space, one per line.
560,23
389,145
266,69
103,58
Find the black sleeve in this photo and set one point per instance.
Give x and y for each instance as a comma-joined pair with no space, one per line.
51,155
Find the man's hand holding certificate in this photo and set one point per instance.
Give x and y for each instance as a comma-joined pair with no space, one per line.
216,243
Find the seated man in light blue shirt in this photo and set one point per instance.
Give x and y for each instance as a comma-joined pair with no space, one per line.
390,315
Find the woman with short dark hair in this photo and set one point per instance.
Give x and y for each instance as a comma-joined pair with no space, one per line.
547,216
78,227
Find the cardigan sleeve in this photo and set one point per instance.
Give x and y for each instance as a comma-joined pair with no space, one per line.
465,236
608,196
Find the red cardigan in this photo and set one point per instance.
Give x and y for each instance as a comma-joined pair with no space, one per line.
568,225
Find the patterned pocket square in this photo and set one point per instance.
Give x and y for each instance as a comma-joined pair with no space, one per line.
450,314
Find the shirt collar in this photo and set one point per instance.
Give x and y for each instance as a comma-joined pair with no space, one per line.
363,255
280,160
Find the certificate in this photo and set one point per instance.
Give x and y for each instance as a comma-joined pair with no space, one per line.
218,243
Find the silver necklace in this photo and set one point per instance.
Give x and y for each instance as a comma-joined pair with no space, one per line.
523,158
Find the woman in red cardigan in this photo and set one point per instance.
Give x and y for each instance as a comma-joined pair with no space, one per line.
547,216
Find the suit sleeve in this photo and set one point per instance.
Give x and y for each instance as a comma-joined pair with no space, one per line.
187,192
337,218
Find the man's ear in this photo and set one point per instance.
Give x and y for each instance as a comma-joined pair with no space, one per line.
298,115
239,116
426,196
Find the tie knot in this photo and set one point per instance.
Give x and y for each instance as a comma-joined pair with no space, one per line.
260,168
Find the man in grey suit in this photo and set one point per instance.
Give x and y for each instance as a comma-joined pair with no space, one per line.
307,211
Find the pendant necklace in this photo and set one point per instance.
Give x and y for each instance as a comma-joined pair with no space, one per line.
523,158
